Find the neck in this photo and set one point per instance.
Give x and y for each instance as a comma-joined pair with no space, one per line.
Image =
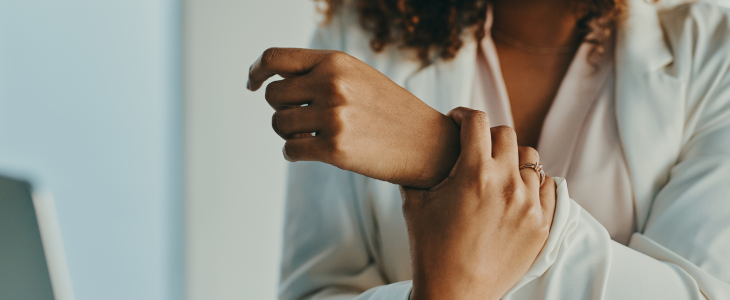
541,23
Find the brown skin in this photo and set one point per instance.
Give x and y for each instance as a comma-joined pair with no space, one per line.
364,122
477,232
474,235
533,80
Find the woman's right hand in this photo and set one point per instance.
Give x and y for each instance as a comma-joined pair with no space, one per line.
477,233
364,122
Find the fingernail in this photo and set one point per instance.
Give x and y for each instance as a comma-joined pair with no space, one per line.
283,151
248,85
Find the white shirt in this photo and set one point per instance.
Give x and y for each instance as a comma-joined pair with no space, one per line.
579,140
345,236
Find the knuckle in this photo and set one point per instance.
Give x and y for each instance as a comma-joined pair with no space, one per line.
459,110
549,184
339,145
503,129
279,122
275,122
269,56
504,132
477,116
483,177
290,151
529,153
336,119
512,192
337,86
271,90
533,210
342,148
336,146
336,57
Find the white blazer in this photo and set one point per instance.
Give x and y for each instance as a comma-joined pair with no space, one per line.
345,237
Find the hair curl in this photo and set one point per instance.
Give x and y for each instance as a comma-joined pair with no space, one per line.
434,28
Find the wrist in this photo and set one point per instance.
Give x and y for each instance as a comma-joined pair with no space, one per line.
437,155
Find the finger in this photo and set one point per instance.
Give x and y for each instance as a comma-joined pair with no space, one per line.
305,149
504,145
476,141
531,178
294,91
301,135
547,197
286,61
289,122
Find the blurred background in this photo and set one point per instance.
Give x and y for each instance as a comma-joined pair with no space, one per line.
167,178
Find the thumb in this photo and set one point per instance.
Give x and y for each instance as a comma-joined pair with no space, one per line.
475,136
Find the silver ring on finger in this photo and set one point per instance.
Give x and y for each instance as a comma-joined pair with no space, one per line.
538,168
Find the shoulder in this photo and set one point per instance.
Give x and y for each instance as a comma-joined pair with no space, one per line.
705,11
698,32
706,19
698,35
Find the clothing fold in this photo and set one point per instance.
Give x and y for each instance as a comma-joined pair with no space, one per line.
345,235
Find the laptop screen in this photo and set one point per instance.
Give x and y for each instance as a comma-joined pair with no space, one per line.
23,269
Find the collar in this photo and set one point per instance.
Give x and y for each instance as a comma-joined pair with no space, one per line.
640,39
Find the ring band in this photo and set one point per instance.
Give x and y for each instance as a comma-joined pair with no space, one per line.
538,168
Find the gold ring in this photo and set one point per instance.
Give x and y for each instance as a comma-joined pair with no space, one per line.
538,168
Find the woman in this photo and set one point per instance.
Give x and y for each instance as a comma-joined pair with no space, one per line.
637,121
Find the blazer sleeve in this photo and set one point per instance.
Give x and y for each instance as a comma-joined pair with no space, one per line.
326,253
580,261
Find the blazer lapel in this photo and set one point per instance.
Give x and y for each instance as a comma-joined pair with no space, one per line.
648,104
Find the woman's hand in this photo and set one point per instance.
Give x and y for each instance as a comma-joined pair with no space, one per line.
477,233
363,121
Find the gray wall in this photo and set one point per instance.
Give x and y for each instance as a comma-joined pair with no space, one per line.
235,171
90,109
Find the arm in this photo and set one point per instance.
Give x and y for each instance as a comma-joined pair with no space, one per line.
336,109
326,253
578,260
683,253
329,256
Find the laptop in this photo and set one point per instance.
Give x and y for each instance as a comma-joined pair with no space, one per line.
32,262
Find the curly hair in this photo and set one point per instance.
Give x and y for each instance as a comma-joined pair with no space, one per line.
434,28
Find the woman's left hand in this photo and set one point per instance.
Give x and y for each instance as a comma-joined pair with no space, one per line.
364,122
478,232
